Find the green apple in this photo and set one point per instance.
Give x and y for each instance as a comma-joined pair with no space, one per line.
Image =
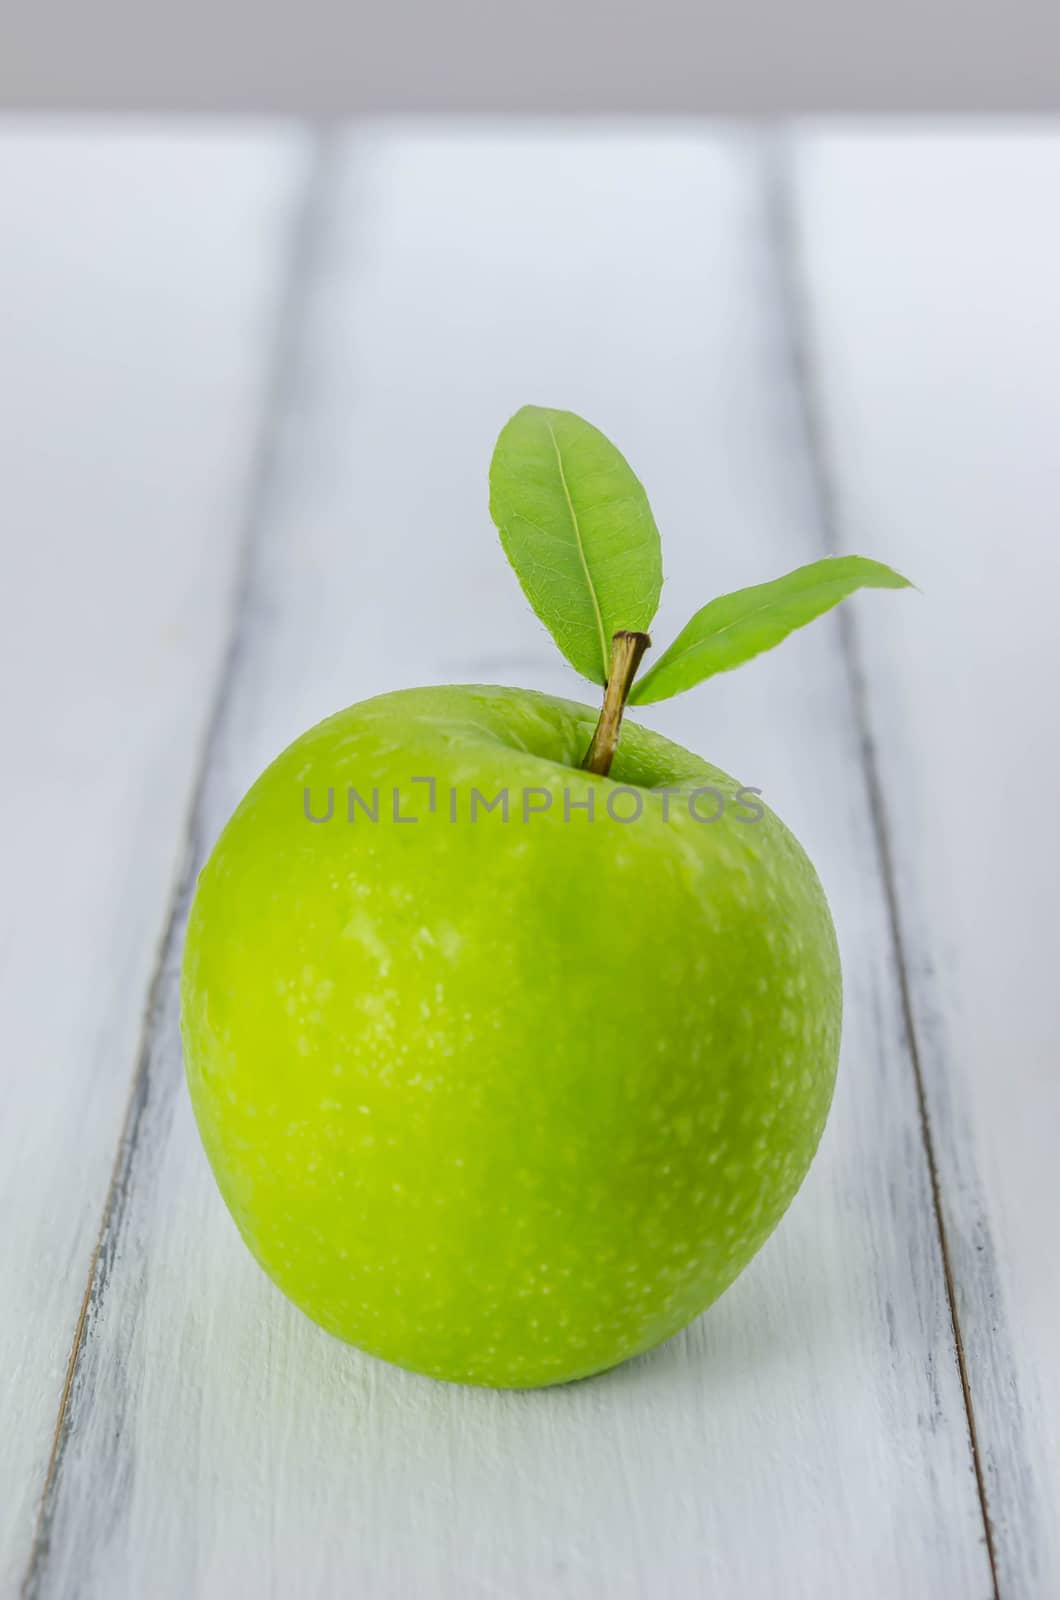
511,1031
505,1097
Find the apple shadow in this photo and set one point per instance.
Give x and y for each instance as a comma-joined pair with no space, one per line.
772,1320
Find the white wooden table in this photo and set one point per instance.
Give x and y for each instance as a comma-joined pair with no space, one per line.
250,378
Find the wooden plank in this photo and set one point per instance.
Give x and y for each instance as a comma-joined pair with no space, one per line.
933,266
138,277
808,1436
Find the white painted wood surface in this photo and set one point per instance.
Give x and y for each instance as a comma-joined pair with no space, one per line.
138,284
933,266
774,344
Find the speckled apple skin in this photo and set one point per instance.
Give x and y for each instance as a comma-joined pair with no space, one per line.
504,1102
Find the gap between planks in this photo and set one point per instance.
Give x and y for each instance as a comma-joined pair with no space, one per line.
309,214
779,202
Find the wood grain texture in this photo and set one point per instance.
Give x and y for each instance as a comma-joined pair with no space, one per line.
932,267
808,1436
137,280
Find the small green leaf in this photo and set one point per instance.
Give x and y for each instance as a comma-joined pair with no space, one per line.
576,525
735,627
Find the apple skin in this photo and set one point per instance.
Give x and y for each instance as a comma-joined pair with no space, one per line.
505,1102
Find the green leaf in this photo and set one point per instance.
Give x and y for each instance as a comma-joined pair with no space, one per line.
735,627
576,525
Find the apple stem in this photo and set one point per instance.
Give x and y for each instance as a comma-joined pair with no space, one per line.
626,651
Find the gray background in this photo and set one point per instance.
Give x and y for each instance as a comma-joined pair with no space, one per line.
674,56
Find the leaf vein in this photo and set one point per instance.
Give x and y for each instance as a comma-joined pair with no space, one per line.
605,651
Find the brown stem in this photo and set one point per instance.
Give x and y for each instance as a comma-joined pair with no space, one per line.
626,651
